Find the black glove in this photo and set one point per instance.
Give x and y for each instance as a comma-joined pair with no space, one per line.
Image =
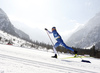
46,29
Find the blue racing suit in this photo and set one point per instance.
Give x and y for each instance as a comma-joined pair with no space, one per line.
59,41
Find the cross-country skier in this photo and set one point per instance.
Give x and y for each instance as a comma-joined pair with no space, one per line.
59,41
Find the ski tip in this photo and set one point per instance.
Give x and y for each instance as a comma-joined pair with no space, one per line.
86,61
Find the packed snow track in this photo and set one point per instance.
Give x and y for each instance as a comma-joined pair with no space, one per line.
46,65
23,60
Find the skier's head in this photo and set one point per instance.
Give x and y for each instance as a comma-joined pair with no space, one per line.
53,28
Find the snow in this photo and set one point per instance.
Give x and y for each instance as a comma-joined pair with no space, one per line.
24,60
14,59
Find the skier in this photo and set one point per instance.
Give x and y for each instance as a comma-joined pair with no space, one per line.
59,41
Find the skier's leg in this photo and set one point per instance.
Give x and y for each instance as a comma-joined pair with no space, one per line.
55,46
75,52
63,44
67,47
54,50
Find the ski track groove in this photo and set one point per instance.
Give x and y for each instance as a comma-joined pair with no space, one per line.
45,65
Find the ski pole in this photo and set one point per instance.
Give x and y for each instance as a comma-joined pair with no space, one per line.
50,38
52,43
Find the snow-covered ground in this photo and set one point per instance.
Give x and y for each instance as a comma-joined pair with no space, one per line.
23,60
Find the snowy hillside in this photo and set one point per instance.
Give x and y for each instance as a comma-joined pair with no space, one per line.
87,36
6,25
8,39
22,60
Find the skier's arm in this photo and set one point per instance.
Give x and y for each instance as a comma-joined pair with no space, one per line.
48,30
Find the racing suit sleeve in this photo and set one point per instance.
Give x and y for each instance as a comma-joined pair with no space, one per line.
49,32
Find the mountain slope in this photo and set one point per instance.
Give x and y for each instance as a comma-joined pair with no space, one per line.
5,25
87,36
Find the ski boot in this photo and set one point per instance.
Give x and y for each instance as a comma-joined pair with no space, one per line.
54,56
75,52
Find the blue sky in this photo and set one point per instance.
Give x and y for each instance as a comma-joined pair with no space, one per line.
66,15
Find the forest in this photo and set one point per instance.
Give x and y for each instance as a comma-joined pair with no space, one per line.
93,52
